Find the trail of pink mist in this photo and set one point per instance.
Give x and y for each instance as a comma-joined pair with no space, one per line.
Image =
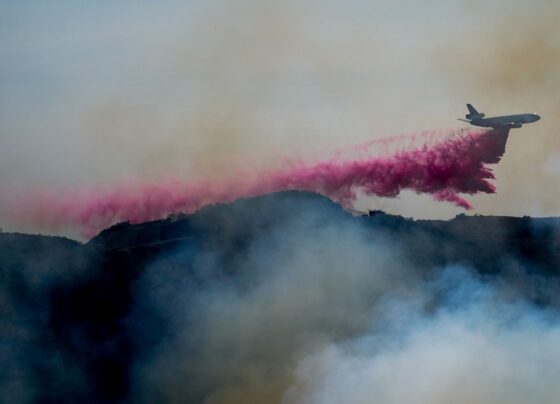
444,166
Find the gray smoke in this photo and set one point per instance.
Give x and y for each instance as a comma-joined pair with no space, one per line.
335,313
475,347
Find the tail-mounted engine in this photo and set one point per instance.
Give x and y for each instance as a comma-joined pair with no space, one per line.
478,115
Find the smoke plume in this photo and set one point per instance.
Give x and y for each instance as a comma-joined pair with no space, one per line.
475,347
284,298
323,310
443,165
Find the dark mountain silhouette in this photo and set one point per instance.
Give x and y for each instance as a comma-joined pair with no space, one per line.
479,240
69,327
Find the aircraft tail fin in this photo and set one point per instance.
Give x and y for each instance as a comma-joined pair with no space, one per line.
473,113
472,109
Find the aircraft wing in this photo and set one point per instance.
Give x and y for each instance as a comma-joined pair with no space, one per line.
511,125
514,125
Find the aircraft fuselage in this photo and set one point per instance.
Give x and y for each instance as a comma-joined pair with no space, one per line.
506,121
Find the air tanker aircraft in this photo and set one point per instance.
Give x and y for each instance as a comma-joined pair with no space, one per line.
506,121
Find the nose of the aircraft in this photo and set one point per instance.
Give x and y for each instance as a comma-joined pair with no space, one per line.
536,117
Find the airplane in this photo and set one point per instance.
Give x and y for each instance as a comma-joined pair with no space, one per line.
505,121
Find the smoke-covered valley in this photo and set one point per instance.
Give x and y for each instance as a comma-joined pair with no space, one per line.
284,298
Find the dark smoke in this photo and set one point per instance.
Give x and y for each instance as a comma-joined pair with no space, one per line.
284,298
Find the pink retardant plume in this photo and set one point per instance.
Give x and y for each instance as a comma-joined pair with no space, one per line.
444,165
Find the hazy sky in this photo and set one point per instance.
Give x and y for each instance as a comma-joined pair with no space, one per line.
92,92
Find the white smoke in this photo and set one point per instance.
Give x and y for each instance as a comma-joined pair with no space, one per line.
474,349
321,309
